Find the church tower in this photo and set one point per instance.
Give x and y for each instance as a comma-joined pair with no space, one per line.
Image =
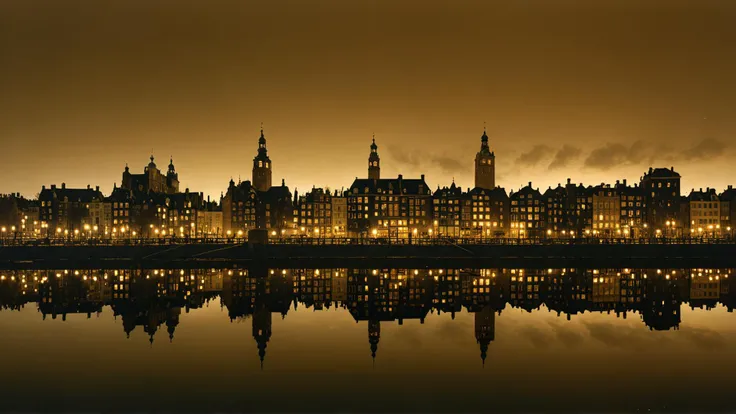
262,331
374,162
262,166
485,165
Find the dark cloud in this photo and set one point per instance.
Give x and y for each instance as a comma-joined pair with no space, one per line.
534,156
538,338
614,155
456,330
707,339
564,156
403,157
566,334
414,159
624,336
706,149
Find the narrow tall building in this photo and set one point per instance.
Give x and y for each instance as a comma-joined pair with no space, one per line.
485,165
374,162
262,166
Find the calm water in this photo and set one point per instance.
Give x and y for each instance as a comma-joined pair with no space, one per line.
342,340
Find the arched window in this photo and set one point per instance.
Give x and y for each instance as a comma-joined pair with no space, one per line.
260,163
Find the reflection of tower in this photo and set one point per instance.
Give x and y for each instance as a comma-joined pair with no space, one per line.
262,330
374,335
172,321
374,162
485,326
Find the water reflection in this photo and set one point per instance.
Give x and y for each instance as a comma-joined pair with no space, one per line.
154,299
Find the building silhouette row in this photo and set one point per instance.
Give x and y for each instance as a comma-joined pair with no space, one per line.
151,204
155,299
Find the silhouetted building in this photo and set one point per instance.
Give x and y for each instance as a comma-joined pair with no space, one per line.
67,208
152,179
662,189
528,213
490,214
705,212
447,208
728,210
633,208
315,213
262,167
557,212
485,165
389,207
374,162
606,211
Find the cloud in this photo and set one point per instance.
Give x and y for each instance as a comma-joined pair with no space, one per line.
418,159
703,338
538,338
564,156
614,155
566,334
534,156
704,150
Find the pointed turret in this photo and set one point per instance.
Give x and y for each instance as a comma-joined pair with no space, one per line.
262,166
374,162
485,165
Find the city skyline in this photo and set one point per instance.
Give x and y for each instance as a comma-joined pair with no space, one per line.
386,168
567,88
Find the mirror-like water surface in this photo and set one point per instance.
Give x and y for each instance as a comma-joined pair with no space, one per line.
367,340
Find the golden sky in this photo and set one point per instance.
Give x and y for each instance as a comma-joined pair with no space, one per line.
595,91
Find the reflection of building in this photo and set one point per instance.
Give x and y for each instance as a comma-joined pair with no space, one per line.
374,335
485,325
262,331
705,288
661,303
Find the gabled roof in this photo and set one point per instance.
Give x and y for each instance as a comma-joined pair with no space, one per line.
662,173
390,186
81,195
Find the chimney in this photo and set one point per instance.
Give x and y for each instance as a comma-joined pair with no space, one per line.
283,182
617,182
422,177
401,177
650,170
88,186
53,186
624,182
97,188
43,187
63,186
530,184
569,181
672,168
730,187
